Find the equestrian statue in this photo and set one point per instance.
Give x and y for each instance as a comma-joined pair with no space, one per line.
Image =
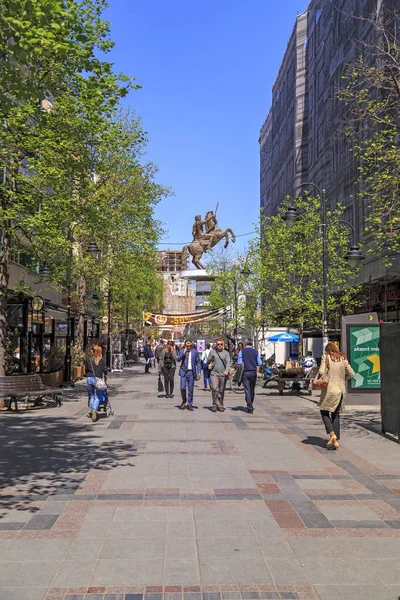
206,234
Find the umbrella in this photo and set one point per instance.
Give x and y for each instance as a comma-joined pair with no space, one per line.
284,337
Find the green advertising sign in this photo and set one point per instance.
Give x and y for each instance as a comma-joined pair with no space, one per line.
364,356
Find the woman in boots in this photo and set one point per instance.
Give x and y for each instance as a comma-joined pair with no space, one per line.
167,367
335,370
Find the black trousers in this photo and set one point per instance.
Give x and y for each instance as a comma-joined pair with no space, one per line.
169,375
332,420
249,384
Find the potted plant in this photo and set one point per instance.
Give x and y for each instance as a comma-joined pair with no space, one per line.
77,358
53,375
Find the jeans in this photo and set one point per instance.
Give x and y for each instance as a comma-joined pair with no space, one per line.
218,383
332,420
96,397
169,380
249,384
187,381
206,377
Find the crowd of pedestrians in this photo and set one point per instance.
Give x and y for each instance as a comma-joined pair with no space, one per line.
215,364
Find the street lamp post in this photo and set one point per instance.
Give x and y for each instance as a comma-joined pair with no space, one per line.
353,256
108,351
245,272
236,309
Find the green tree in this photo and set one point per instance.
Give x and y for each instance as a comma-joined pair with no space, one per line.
237,285
49,57
289,266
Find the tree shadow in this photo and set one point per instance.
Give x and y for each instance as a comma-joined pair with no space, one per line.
43,455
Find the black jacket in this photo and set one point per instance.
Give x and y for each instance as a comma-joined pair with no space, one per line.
93,370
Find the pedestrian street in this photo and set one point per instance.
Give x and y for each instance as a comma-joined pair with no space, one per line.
157,503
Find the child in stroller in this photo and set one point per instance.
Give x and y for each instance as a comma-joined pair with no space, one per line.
96,372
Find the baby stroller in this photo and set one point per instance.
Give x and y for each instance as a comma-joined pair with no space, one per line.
105,404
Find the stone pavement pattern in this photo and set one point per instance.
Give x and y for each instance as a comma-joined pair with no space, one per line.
160,504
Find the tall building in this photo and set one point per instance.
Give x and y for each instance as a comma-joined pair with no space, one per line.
303,137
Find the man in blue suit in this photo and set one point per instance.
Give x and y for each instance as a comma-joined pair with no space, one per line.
189,371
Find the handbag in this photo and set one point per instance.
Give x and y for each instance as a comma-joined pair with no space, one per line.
322,384
99,382
160,384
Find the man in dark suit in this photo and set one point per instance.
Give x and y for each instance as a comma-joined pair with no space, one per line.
148,355
251,361
189,371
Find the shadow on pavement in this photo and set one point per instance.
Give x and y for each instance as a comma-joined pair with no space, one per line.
314,441
45,455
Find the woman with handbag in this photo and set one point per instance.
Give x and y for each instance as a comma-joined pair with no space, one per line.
96,379
167,368
334,371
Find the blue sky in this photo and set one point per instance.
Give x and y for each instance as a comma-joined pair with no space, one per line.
206,70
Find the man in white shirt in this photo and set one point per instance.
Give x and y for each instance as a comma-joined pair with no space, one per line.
206,370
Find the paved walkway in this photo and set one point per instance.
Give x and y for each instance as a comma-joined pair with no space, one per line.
161,504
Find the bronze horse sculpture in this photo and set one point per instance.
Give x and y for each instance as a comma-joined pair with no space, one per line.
205,240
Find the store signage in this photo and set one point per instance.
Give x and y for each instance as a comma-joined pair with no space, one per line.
37,303
364,356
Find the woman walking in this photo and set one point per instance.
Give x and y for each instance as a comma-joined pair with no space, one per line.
335,370
96,379
167,368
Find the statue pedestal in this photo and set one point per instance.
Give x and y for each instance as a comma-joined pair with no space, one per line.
203,285
197,275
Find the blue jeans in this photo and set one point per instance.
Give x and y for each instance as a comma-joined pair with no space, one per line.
206,376
187,380
95,396
249,384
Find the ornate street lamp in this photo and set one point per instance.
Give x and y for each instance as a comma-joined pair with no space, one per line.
93,249
45,271
354,255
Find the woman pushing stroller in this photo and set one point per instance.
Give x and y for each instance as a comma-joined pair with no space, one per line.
96,379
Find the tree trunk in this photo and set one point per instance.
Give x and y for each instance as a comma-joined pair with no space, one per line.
4,280
80,330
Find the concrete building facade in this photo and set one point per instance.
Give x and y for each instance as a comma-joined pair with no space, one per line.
303,137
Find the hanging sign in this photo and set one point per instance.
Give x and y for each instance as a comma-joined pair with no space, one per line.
159,320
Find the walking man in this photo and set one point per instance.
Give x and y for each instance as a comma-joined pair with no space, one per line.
221,363
251,360
148,355
189,371
158,352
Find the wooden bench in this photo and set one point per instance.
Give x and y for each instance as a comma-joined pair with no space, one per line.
297,376
31,388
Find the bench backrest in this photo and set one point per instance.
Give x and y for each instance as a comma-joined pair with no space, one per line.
21,383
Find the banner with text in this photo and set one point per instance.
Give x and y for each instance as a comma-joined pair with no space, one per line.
160,320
